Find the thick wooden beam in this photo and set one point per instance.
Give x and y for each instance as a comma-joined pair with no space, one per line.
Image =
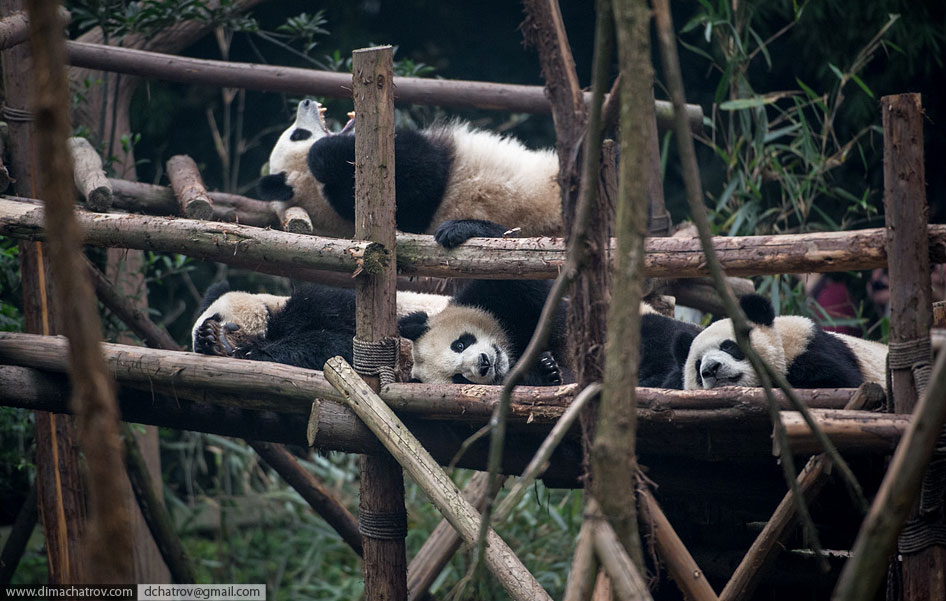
189,187
525,258
906,216
415,90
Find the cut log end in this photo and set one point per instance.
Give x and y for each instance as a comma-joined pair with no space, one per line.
199,208
99,199
295,220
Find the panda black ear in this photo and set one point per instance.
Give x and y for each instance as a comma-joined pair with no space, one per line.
681,347
758,309
413,326
274,187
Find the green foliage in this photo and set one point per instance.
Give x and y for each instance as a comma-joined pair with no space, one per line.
11,302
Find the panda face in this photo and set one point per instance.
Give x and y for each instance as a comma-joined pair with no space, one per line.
463,345
289,153
716,360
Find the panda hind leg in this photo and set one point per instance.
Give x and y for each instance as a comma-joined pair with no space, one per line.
219,338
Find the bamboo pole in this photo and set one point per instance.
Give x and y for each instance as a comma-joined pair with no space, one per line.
761,555
109,542
441,92
382,483
496,258
89,175
435,483
189,187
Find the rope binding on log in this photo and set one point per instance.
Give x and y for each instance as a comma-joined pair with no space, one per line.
382,525
376,358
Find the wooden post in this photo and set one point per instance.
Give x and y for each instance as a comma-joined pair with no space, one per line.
59,486
89,175
381,509
906,211
189,188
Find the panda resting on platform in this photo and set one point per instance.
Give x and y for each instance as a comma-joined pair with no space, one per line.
480,335
305,329
808,356
661,364
445,172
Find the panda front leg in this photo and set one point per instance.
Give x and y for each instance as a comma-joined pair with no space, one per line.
546,372
218,338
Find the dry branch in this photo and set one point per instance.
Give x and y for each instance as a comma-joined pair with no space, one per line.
581,577
898,492
526,258
109,542
89,175
438,487
189,187
136,197
625,576
442,92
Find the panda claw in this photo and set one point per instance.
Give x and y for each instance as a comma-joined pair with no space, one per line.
212,338
551,373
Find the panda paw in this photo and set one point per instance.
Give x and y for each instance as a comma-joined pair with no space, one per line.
550,372
213,338
455,232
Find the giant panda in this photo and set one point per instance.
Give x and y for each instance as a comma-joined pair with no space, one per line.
664,345
305,329
795,346
445,172
486,326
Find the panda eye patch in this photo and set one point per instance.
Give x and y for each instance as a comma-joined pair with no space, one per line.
731,348
300,134
463,342
699,376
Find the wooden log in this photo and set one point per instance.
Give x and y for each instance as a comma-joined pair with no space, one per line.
581,577
189,187
495,258
682,567
906,216
109,541
295,220
442,543
89,175
137,197
338,429
382,480
939,314
765,548
896,498
155,515
625,577
443,493
849,430
5,179
317,496
415,90
15,27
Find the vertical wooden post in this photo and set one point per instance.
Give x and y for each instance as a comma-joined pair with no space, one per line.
60,496
381,509
908,259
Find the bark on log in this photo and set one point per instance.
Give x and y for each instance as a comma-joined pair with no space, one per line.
625,576
90,176
442,543
189,187
415,90
15,28
295,220
136,197
495,258
443,493
581,577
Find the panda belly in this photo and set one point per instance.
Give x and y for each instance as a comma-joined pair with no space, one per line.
500,180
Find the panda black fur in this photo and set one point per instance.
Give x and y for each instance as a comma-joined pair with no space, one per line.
661,363
445,172
808,356
305,329
480,335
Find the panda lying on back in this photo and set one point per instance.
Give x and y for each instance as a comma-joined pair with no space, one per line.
444,172
808,356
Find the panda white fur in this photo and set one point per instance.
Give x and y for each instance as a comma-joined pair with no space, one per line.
480,335
445,172
808,356
305,329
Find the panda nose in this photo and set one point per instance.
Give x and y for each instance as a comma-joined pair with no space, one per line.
709,369
484,364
